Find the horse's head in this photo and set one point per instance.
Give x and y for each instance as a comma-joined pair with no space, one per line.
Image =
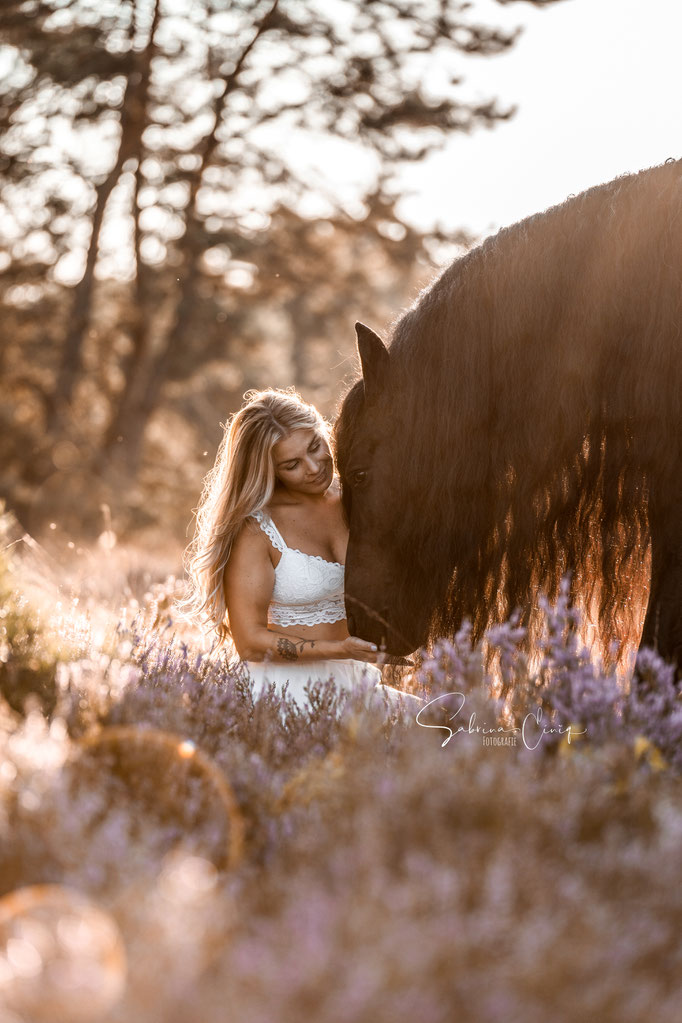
369,447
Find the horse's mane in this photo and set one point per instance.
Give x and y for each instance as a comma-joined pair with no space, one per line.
540,379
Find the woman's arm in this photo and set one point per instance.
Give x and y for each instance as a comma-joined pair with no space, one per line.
248,584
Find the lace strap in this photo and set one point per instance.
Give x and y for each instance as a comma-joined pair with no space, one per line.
270,530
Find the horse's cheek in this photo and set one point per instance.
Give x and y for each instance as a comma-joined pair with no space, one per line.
367,563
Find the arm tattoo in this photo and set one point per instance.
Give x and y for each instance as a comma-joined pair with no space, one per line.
289,650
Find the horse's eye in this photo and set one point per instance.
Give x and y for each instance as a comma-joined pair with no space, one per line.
359,478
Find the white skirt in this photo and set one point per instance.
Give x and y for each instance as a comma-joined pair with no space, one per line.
346,673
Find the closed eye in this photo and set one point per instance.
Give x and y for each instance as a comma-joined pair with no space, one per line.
312,448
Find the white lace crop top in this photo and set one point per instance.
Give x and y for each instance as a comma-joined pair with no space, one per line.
308,589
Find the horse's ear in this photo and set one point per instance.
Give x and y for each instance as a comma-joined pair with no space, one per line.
374,359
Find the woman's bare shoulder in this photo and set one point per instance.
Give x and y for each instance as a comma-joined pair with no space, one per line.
249,572
250,541
333,495
335,488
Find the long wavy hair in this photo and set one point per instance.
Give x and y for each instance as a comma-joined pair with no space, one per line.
241,482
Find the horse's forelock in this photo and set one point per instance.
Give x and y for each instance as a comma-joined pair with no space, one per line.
345,427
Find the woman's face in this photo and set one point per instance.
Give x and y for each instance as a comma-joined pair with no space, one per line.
303,461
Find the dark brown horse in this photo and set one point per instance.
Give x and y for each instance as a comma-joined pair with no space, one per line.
524,421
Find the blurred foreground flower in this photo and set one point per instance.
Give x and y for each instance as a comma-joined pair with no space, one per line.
645,749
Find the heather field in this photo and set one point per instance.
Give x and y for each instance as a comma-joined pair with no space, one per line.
175,847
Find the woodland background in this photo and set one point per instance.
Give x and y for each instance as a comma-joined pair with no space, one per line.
164,246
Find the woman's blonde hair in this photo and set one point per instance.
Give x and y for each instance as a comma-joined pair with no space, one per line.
241,482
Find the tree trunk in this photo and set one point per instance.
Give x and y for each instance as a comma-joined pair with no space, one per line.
133,123
299,353
133,363
145,390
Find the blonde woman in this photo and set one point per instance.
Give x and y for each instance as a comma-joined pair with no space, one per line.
267,560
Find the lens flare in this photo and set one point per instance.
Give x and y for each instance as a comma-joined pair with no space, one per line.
161,778
61,956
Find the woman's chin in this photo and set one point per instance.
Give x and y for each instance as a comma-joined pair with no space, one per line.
323,485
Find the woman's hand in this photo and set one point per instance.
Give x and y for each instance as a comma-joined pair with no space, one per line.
359,649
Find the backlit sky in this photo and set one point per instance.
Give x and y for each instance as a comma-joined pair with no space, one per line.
598,84
598,87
